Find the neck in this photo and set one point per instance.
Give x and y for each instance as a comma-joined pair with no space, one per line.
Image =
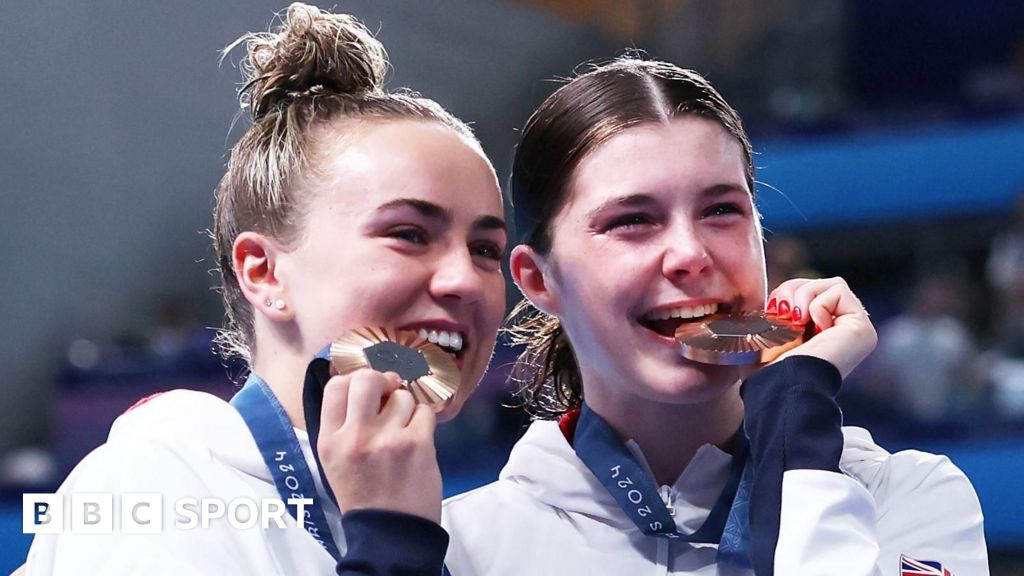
670,434
284,371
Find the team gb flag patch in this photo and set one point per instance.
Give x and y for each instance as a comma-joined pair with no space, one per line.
911,567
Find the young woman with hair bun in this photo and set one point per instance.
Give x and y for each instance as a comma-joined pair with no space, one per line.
633,190
343,206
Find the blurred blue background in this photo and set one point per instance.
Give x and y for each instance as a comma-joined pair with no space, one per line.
890,141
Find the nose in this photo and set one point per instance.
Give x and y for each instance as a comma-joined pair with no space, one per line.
686,253
456,276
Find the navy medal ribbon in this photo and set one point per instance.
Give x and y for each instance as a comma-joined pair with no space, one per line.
280,448
629,483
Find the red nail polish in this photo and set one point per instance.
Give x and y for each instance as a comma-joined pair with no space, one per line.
771,306
817,329
783,308
796,314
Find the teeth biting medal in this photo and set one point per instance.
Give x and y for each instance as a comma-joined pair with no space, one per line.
739,339
426,370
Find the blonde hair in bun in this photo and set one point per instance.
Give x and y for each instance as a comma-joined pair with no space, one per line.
312,53
312,69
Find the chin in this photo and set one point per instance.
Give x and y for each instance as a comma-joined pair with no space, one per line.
693,383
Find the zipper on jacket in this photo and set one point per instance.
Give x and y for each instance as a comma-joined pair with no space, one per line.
668,496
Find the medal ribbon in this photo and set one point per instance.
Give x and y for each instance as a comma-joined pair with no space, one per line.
727,525
280,448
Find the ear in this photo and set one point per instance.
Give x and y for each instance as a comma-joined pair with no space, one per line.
255,258
531,273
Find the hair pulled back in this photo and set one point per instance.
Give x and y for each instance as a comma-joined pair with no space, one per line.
576,119
314,68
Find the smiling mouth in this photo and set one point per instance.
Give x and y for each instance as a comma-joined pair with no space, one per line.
665,322
454,343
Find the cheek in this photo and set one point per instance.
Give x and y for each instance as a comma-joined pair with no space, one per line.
363,295
740,247
757,264
591,305
494,302
747,268
594,281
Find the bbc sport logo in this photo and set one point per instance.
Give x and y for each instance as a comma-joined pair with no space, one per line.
143,513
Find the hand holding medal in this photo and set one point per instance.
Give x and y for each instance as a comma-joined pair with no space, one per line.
426,370
378,420
802,308
844,333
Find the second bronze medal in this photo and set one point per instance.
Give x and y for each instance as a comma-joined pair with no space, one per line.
426,370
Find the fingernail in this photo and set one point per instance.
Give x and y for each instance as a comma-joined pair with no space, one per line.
771,306
783,308
796,314
817,329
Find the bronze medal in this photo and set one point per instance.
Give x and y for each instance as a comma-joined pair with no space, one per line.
426,370
738,339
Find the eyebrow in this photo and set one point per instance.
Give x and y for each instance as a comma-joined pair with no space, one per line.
426,209
726,188
630,201
490,223
441,214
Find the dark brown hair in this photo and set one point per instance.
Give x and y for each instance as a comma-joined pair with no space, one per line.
314,68
580,116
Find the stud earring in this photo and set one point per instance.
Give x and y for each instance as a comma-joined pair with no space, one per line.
269,302
279,304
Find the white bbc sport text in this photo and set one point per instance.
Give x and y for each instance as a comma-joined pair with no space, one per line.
143,513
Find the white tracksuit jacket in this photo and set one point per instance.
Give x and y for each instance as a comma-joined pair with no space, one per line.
548,514
182,444
195,445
